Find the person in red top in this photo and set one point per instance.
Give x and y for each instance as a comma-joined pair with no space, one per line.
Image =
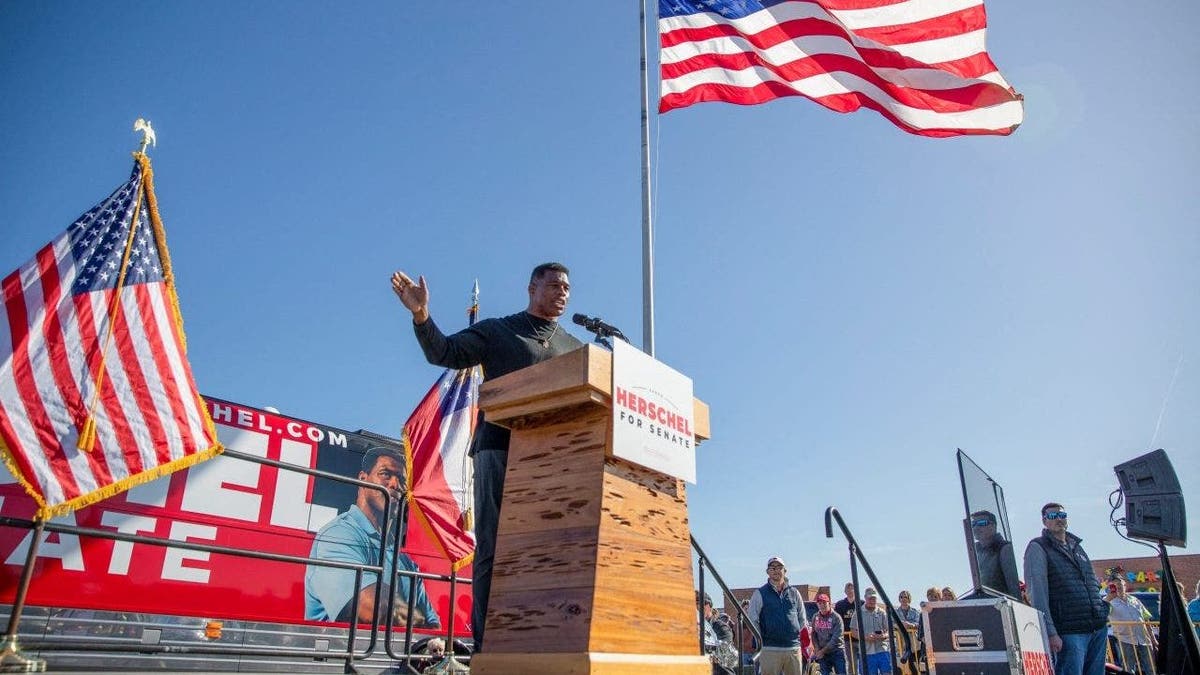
827,640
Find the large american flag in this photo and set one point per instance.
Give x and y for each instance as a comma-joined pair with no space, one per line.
437,437
923,64
69,352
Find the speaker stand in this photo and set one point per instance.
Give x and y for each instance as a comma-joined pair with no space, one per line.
1178,645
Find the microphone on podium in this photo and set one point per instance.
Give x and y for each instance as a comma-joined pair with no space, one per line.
598,326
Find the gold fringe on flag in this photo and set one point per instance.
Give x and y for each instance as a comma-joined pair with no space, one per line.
164,257
87,434
46,511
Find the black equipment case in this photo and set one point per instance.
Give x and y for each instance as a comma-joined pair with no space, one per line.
989,636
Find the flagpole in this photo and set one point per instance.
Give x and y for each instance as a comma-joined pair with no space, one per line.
11,658
87,433
647,224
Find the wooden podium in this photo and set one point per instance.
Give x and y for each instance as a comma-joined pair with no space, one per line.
593,570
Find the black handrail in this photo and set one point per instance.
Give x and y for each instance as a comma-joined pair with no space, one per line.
743,618
856,556
384,527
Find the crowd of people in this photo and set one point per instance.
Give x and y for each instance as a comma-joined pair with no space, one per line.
791,638
1085,628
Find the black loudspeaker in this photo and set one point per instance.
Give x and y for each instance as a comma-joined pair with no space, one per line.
1153,499
1157,518
1150,474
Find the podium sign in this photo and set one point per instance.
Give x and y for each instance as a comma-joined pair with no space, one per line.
593,570
652,414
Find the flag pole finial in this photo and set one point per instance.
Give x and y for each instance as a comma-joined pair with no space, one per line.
143,126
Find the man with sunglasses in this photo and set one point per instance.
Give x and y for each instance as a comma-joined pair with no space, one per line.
1061,583
994,555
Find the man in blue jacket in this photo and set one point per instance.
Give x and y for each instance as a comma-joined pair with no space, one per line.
777,610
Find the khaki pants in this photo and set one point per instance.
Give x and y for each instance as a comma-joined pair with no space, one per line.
775,662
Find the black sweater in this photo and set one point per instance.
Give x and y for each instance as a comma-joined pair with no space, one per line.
501,346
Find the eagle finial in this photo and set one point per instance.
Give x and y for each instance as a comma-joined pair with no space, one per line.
147,133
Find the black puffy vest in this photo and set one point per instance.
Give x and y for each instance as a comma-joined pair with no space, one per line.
1075,602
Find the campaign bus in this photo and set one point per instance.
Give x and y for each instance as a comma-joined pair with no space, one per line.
96,602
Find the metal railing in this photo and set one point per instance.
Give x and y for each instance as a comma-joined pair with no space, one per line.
908,656
1133,645
852,647
389,525
743,623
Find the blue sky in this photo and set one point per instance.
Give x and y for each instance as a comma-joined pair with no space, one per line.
853,302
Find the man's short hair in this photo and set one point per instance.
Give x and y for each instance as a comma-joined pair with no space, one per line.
1051,506
984,514
372,455
540,270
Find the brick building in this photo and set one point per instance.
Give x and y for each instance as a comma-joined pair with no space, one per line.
1144,574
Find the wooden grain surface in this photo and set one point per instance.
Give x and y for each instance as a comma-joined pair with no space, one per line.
593,566
588,663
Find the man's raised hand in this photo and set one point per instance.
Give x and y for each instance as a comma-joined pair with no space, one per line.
413,295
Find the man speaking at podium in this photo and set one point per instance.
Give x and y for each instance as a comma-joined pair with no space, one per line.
501,346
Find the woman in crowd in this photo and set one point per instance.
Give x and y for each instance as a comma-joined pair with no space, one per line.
932,594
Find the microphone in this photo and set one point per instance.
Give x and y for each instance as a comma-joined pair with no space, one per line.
598,326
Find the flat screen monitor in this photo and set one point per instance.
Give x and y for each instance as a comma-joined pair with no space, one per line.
988,537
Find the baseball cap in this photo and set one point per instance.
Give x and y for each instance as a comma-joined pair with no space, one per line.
870,593
775,559
821,597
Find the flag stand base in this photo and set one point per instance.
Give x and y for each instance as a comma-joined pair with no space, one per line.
12,661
